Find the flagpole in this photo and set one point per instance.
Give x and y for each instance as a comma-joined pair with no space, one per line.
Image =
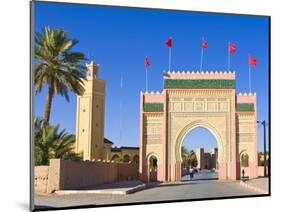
228,62
201,61
146,80
120,112
250,79
170,55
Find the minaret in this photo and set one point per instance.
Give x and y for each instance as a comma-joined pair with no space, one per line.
90,116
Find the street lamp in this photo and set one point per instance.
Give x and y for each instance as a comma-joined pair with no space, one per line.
264,145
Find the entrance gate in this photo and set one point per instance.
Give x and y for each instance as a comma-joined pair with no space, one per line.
191,100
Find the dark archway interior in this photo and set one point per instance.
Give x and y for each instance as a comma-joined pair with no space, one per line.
153,168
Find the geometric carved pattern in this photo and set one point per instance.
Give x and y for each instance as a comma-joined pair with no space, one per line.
245,107
211,107
186,83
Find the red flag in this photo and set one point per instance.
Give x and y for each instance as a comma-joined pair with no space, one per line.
231,48
204,44
169,43
146,62
252,61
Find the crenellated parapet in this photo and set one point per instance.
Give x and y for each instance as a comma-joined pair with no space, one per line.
246,102
199,80
200,75
153,101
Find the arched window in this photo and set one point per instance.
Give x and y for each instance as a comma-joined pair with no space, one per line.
126,159
116,158
136,159
244,160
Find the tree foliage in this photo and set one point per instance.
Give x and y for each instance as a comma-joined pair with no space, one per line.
261,159
189,158
52,143
56,66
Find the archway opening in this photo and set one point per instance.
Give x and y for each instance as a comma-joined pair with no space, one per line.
116,158
153,169
199,155
244,165
126,159
136,159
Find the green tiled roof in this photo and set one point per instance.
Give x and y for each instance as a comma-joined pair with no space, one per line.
202,83
153,107
245,107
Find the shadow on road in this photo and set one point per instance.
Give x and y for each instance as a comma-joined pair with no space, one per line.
203,179
47,208
183,182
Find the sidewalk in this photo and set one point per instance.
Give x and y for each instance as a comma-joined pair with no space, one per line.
120,188
259,185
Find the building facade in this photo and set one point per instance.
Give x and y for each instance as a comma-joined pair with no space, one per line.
190,100
90,112
207,160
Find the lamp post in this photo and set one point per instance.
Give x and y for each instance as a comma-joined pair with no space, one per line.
264,146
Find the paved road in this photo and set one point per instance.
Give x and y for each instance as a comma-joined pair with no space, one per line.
202,175
197,188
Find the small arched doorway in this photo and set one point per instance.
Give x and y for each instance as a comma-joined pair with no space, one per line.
244,164
152,164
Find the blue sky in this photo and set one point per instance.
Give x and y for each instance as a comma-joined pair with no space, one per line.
119,39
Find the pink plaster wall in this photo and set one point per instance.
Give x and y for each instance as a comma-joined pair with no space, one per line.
246,99
160,173
232,164
253,169
222,171
153,98
227,75
247,171
165,137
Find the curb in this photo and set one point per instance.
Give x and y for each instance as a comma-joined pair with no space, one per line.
107,191
259,190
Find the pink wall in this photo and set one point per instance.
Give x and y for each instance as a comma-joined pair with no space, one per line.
71,175
253,172
153,98
222,171
204,75
246,99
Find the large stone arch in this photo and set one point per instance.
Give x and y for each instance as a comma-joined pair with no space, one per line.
191,100
193,125
221,136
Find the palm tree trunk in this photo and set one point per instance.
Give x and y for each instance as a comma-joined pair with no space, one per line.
48,105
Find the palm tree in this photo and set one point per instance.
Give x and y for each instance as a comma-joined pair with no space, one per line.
191,158
57,67
184,153
52,143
